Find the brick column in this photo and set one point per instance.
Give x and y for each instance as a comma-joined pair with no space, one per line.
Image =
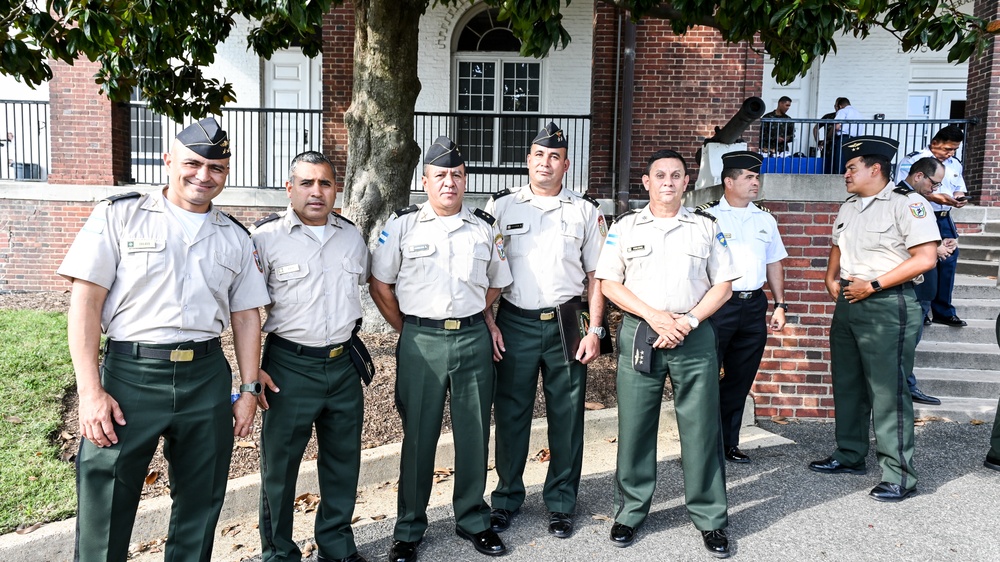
90,137
982,168
338,77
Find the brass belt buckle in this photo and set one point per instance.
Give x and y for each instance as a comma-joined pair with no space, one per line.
452,324
545,316
337,351
181,355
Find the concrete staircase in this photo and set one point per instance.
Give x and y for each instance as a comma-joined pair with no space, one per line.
980,253
961,366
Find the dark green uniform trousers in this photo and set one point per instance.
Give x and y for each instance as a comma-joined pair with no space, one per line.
188,404
534,344
995,437
871,351
327,393
694,374
433,363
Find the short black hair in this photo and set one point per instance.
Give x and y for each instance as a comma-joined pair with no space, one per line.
310,157
783,99
660,155
843,102
885,167
926,166
951,133
731,173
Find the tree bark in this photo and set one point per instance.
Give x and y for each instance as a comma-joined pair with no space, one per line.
381,151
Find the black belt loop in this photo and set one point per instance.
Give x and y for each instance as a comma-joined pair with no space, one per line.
446,324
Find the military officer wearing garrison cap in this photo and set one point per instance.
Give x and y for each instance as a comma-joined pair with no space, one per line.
884,238
162,275
313,260
669,269
553,238
741,324
437,267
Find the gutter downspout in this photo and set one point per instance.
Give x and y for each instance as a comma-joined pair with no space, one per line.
614,120
628,85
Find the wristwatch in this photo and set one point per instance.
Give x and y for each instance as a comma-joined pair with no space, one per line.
254,388
599,330
781,305
692,320
876,286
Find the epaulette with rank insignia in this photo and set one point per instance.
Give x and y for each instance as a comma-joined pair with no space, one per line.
130,195
238,223
404,211
903,190
912,154
761,207
343,218
706,214
709,205
269,218
625,214
592,201
485,216
501,193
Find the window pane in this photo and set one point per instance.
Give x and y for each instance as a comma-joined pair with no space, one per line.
475,136
516,134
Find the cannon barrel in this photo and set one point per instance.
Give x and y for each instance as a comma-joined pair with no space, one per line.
750,111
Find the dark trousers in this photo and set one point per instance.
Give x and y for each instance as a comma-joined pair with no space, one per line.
944,273
188,404
741,328
871,350
432,364
534,345
327,393
995,436
693,370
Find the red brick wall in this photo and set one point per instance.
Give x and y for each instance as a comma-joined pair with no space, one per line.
90,134
35,235
338,75
982,169
685,86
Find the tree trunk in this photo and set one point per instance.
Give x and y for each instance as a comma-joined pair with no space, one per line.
381,151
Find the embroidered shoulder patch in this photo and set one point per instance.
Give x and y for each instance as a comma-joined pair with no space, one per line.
498,242
722,239
918,210
602,225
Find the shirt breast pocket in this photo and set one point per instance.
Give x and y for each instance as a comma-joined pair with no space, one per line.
480,264
144,260
697,258
638,261
879,235
572,235
353,271
419,257
224,269
517,239
288,281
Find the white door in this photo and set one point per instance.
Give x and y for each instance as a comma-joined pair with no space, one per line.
800,91
291,82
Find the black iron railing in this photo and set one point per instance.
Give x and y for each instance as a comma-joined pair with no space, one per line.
24,140
496,146
813,146
263,142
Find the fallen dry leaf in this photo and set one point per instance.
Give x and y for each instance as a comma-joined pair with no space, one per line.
68,456
23,530
593,405
600,517
66,436
152,477
977,422
307,549
246,444
13,419
612,439
231,530
543,456
779,419
235,547
444,471
306,502
355,519
32,478
378,517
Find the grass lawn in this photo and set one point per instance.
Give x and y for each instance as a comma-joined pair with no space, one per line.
35,373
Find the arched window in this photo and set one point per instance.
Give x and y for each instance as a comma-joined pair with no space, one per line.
499,89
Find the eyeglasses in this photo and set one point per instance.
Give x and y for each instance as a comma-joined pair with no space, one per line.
936,185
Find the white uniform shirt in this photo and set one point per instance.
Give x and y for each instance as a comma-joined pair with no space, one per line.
849,113
551,244
754,241
162,288
952,183
315,300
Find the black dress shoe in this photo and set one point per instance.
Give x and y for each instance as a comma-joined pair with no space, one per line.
622,535
403,551
889,492
927,321
921,398
560,524
486,542
954,321
992,462
500,519
716,542
734,454
352,558
830,465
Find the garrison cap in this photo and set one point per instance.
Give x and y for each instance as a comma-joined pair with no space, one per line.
551,137
444,153
206,138
871,146
742,160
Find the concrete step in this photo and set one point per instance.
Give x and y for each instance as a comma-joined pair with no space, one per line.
978,331
992,227
981,252
977,308
966,383
979,240
973,287
962,410
980,268
946,355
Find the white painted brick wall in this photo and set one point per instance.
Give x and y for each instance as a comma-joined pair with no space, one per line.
238,66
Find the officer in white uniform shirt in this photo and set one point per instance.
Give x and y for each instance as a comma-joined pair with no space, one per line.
741,324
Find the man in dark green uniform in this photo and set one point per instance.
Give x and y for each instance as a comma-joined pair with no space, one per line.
313,261
669,269
162,275
553,238
437,267
883,238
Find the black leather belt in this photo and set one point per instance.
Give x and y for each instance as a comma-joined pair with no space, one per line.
328,352
544,314
942,214
185,351
447,324
746,295
907,285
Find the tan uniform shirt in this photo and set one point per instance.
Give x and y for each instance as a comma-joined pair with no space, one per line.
551,244
440,272
875,240
315,300
163,288
670,263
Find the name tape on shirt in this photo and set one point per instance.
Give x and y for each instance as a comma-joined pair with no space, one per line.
287,269
141,244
